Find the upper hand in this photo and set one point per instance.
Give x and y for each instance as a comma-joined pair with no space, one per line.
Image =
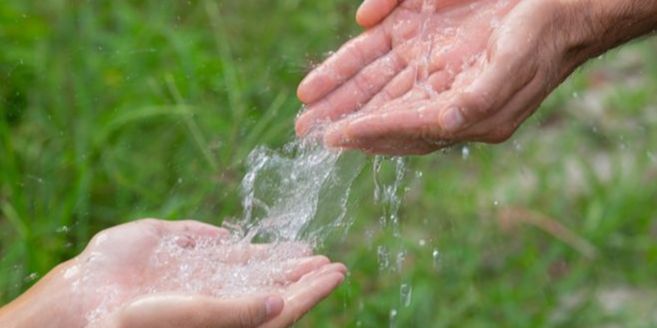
436,72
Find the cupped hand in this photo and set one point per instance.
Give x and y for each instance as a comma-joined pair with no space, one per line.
152,273
429,73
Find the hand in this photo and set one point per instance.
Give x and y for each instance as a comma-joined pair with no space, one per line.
429,73
152,273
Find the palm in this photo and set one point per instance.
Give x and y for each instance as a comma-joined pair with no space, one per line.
150,258
435,72
416,53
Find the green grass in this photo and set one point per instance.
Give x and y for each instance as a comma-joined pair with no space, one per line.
116,110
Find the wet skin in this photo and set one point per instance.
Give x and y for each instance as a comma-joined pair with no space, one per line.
118,265
429,73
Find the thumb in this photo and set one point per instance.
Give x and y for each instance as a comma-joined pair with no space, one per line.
169,311
372,12
247,312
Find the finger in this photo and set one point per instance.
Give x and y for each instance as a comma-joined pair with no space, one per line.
509,66
398,146
243,252
415,120
288,249
440,81
398,86
188,233
307,293
197,228
372,12
399,129
501,126
293,270
184,311
352,94
435,84
487,94
326,269
340,67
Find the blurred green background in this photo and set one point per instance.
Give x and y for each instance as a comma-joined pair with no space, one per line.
116,110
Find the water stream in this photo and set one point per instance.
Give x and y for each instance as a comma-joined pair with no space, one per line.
293,198
299,193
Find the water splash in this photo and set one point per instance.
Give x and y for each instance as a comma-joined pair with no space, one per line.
390,196
437,259
406,294
300,193
293,200
393,318
383,257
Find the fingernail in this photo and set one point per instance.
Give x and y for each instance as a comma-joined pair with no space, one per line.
341,279
452,120
273,305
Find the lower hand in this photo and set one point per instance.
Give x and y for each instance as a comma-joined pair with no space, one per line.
152,273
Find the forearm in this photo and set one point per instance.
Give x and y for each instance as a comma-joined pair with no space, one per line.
49,303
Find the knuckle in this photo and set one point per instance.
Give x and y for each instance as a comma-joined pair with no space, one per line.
365,84
385,95
429,131
354,50
478,105
250,317
245,321
506,55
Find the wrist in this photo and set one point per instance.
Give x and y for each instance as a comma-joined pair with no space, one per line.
49,303
599,25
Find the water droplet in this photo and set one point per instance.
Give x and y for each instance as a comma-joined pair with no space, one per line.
465,152
496,203
406,294
384,257
376,168
32,277
401,258
517,145
393,318
437,259
422,242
